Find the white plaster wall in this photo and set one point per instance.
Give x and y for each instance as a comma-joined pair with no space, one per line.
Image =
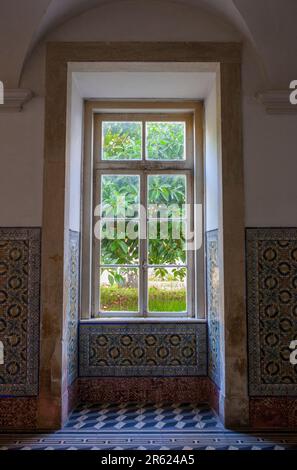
269,141
211,161
21,166
75,128
270,166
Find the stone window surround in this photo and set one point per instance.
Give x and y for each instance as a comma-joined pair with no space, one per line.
233,398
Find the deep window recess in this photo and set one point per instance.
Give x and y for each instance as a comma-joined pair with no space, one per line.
143,215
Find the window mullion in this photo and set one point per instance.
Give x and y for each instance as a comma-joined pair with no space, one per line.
143,247
96,248
143,141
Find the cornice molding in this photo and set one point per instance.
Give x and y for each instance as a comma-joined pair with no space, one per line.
15,99
276,101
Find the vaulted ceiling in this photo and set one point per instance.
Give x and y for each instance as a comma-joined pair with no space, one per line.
269,26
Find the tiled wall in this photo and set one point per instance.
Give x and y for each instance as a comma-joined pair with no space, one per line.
272,325
152,352
19,310
212,269
73,306
147,390
272,310
142,349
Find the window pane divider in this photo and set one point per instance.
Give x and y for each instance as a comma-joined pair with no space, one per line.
166,266
125,266
143,278
115,219
143,165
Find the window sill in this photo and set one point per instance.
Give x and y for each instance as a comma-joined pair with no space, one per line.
143,320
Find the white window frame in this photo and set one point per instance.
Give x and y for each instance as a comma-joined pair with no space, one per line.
94,167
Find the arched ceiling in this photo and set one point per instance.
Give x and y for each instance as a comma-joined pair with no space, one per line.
60,11
267,24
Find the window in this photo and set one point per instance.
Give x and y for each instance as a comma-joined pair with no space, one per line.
142,215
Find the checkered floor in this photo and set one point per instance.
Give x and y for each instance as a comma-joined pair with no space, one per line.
146,427
138,418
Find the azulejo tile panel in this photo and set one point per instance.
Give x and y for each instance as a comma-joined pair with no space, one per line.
142,349
19,310
272,310
213,306
72,334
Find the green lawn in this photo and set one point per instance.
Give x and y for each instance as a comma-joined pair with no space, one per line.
116,298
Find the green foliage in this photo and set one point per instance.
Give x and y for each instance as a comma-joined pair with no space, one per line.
165,191
118,299
119,250
165,140
120,191
126,299
167,301
169,250
122,140
162,191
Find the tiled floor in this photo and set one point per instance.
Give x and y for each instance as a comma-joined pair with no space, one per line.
150,417
153,426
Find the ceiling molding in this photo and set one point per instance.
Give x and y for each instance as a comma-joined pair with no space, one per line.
15,99
276,101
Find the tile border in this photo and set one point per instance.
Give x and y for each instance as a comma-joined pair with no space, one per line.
73,306
213,315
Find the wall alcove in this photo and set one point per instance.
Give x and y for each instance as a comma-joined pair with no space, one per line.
60,257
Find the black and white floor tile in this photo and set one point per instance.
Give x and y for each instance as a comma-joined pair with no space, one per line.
140,417
146,427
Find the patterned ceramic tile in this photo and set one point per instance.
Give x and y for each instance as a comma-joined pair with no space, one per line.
19,310
213,306
145,389
149,441
142,349
18,413
72,336
272,310
140,417
273,413
147,427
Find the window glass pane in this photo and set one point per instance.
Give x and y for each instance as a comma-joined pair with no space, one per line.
119,242
167,290
119,195
119,289
121,140
165,140
166,195
166,242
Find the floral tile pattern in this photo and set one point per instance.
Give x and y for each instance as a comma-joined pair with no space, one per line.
213,306
142,349
272,310
73,306
19,310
